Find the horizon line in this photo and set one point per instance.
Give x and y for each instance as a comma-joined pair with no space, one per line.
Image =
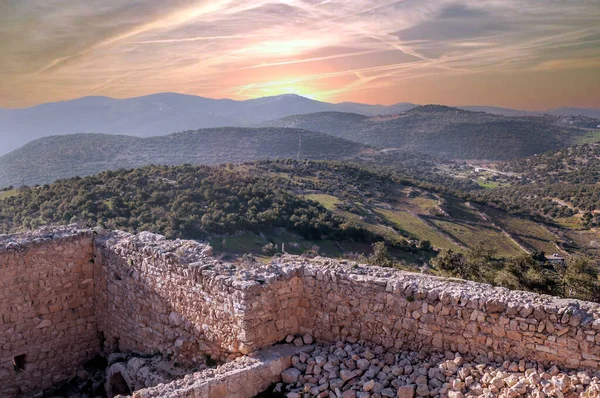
297,95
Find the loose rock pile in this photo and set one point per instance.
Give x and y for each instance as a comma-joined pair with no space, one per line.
355,369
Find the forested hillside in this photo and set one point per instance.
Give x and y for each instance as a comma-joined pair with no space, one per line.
447,132
561,185
51,158
577,164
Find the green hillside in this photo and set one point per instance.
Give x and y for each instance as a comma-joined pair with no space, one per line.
447,132
47,159
561,185
199,202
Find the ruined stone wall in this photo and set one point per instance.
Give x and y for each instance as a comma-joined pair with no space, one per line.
227,310
244,377
158,296
411,311
60,291
273,307
47,322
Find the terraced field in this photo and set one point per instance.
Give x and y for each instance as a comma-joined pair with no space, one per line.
412,224
532,235
413,214
479,234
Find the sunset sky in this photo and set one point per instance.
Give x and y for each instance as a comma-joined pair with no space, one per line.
533,54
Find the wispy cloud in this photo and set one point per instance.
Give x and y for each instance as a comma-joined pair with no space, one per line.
577,63
361,50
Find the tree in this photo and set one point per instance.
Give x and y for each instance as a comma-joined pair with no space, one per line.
269,249
580,280
380,256
475,265
538,255
425,245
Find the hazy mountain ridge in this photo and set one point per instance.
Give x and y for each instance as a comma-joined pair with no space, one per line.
51,158
166,113
157,114
437,130
445,131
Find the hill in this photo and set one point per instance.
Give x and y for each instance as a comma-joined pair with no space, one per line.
444,131
157,114
578,164
494,110
47,159
560,184
378,201
565,111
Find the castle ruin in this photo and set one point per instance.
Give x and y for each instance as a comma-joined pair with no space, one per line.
68,294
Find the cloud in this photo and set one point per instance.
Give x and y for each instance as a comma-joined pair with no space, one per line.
334,48
559,64
454,22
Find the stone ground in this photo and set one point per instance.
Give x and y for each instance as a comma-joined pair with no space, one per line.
355,369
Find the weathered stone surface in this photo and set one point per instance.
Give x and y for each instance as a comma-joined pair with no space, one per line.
406,391
243,377
47,314
290,376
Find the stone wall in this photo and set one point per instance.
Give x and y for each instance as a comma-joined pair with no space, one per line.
153,297
410,311
244,377
47,322
146,294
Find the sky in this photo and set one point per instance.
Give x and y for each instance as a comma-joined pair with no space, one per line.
533,54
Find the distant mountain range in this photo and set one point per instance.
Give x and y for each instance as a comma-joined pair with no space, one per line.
449,132
158,114
166,113
435,130
587,112
50,158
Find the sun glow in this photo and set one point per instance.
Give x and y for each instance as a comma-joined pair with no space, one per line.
273,88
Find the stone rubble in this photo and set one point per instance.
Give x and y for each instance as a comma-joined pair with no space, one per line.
139,372
357,369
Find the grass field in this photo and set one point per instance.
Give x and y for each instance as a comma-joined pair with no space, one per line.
570,222
8,194
293,244
591,137
487,184
328,201
530,233
414,225
240,244
473,234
